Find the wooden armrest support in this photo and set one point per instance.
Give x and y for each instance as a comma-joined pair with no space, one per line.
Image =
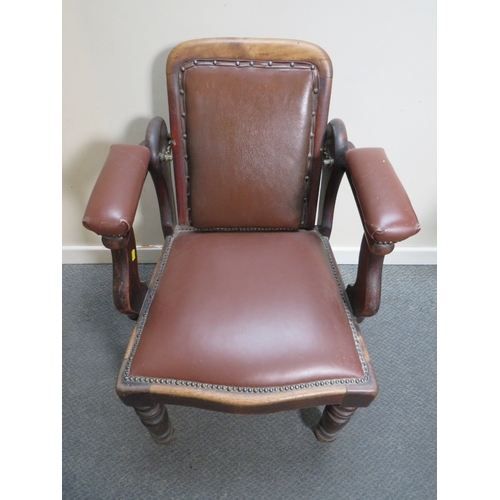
110,213
113,203
384,207
383,204
387,217
128,290
364,295
158,142
334,150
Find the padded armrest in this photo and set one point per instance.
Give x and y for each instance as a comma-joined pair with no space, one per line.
113,203
384,206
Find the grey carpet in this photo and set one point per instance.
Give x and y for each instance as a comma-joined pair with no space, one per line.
387,451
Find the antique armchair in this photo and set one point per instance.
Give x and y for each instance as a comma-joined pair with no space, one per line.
246,311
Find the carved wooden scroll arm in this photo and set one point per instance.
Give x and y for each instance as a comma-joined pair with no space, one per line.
384,207
113,205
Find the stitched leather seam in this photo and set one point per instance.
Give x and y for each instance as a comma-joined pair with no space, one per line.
359,349
149,299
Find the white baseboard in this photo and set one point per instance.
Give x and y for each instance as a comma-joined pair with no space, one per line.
343,255
101,255
409,256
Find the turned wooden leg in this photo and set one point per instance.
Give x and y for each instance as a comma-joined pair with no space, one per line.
156,420
333,420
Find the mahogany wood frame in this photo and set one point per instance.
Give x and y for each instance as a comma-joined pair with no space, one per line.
129,292
244,49
364,294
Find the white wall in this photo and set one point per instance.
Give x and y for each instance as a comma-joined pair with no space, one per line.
384,58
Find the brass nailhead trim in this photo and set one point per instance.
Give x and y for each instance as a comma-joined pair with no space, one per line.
320,383
267,64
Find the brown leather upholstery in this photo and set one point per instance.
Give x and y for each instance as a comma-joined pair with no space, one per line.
247,131
113,203
385,208
244,171
247,310
247,322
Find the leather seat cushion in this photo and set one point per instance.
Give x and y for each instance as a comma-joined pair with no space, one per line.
246,309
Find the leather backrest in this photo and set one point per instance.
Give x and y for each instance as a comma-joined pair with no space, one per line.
247,120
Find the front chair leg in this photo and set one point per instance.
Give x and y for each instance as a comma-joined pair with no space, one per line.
333,420
156,420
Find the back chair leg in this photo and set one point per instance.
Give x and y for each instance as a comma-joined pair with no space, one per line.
333,420
156,420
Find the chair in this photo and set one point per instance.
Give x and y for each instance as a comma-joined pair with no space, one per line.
246,311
